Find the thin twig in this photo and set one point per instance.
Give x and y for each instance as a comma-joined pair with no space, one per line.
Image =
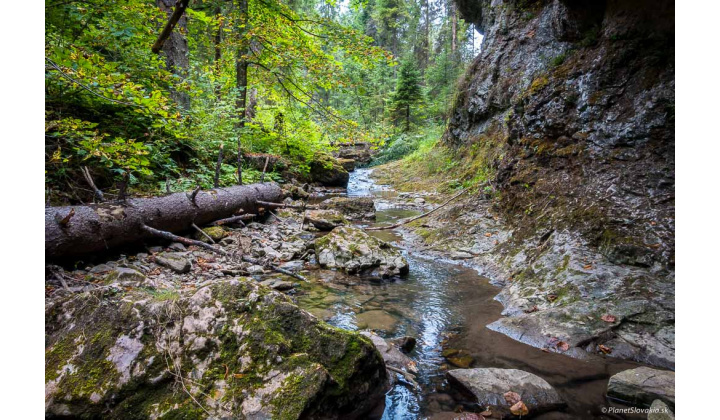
406,221
262,177
234,219
407,375
193,195
98,194
286,206
202,232
216,182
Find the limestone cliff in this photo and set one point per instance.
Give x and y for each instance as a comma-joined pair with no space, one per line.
577,98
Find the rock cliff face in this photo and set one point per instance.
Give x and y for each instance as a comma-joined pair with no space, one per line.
572,103
569,108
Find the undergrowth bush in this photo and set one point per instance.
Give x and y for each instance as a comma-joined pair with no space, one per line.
407,144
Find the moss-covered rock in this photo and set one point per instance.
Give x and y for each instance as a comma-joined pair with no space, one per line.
231,349
215,232
326,170
354,208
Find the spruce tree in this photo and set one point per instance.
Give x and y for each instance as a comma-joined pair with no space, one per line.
407,91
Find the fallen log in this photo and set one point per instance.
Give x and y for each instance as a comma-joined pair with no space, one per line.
98,227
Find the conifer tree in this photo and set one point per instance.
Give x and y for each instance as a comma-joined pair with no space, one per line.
407,91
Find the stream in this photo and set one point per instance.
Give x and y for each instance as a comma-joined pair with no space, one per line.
445,307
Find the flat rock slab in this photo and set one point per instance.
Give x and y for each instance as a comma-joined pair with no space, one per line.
489,385
376,320
642,386
175,261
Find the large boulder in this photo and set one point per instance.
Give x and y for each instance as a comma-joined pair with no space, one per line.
360,152
355,252
643,385
348,164
490,387
354,208
327,171
230,349
325,219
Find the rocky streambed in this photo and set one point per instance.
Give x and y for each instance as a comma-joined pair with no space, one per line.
171,330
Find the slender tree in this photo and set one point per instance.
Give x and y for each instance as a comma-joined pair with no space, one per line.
407,91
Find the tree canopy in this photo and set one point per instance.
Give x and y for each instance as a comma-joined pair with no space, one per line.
291,78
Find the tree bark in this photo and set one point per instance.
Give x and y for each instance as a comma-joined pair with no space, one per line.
218,58
96,228
175,47
241,69
453,17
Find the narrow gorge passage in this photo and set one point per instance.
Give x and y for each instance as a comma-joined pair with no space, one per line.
446,307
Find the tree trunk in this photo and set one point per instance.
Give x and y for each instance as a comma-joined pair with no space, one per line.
96,228
453,18
218,55
241,68
176,52
407,118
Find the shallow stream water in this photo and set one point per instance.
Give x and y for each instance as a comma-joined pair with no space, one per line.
446,308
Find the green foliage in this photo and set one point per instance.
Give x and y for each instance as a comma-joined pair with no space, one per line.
320,74
405,144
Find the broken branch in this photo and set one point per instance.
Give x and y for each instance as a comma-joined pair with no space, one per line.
406,221
180,7
286,206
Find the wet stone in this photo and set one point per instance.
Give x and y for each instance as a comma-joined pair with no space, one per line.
177,246
660,411
175,261
489,385
376,320
642,386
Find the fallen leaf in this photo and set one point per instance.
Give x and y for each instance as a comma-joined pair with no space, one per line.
605,349
608,318
488,234
562,346
239,375
587,267
511,397
531,310
519,409
486,413
552,298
